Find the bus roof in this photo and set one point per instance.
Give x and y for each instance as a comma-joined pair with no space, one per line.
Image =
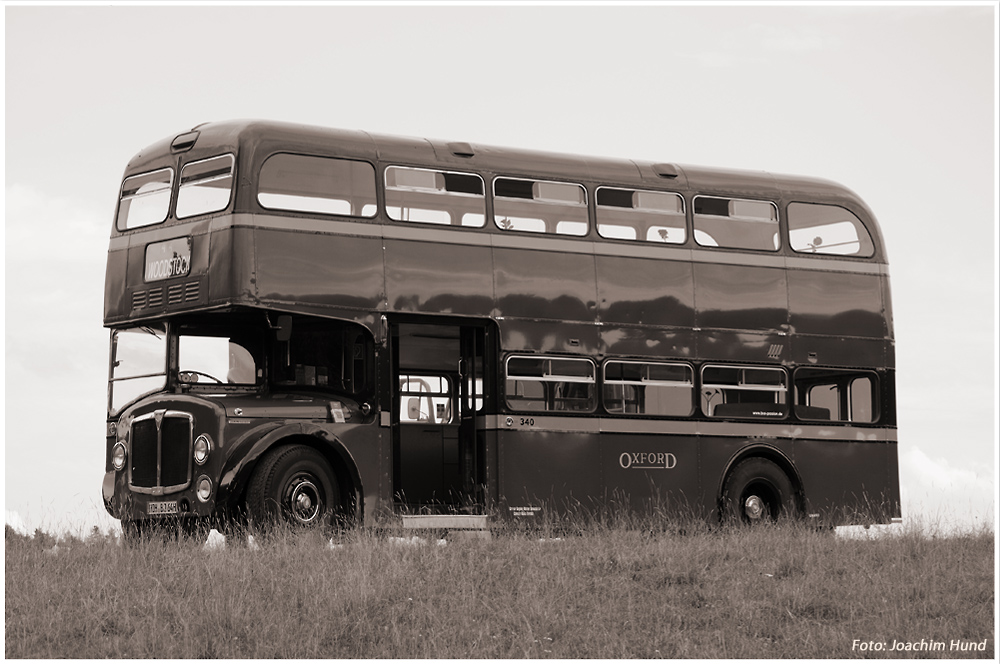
263,137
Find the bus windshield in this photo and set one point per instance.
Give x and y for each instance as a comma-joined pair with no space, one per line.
138,364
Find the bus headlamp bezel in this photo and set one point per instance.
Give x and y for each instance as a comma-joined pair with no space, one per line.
202,449
119,456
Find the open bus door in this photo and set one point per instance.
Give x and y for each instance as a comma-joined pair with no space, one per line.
438,373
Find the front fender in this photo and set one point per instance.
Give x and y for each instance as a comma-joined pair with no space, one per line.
239,467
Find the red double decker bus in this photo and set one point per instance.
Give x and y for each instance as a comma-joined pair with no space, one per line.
322,326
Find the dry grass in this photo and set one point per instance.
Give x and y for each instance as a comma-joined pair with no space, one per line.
617,591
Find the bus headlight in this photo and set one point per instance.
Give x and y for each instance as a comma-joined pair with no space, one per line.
118,456
204,489
202,448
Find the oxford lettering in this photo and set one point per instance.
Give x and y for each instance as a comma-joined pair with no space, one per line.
647,460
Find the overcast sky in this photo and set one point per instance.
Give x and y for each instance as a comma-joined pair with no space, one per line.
898,103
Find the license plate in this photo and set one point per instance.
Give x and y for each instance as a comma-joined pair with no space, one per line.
162,507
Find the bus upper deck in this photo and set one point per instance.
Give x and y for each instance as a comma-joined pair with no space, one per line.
628,257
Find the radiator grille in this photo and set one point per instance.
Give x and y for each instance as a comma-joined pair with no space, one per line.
161,451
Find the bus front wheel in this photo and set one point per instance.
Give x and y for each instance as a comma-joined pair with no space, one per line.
293,484
757,491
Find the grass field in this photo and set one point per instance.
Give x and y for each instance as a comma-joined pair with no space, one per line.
613,592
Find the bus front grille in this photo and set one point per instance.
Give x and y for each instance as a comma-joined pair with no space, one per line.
161,452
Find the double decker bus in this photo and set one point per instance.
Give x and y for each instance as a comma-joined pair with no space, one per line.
330,326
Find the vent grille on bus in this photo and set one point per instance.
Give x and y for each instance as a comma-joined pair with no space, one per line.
176,294
161,452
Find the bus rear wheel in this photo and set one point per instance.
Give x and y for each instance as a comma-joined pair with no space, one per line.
293,485
757,491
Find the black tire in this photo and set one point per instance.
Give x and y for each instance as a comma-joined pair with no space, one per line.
295,485
757,491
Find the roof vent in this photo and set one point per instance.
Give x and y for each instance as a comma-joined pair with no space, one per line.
461,150
665,170
184,142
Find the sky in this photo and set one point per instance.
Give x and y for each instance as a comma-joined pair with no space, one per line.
897,102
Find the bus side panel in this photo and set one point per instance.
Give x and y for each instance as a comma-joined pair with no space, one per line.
332,270
552,469
439,278
813,348
645,292
542,284
647,341
652,474
741,297
836,303
847,482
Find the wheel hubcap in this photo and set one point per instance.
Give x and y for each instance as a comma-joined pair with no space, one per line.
305,502
754,508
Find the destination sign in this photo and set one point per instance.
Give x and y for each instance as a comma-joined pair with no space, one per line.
166,260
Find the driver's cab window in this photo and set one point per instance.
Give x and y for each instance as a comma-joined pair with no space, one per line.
425,399
216,360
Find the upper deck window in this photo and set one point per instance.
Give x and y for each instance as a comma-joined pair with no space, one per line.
736,223
206,186
435,197
630,214
145,199
317,184
827,229
538,206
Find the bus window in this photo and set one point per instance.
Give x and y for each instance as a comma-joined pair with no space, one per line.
827,229
540,207
317,184
648,388
435,197
630,214
425,399
215,360
736,224
731,391
551,384
206,186
837,395
145,199
138,364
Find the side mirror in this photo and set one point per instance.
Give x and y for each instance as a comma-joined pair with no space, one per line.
284,328
413,409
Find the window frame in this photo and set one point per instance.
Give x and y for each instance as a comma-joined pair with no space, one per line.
866,242
585,206
270,208
605,382
682,215
551,378
181,185
121,198
695,230
443,193
784,389
846,380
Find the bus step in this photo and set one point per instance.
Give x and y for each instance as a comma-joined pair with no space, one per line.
459,526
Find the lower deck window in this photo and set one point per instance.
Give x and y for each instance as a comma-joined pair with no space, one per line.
836,395
542,384
733,391
638,388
